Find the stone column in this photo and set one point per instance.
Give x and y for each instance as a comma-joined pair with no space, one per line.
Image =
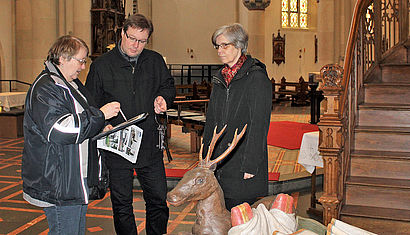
326,31
254,23
36,30
256,31
81,23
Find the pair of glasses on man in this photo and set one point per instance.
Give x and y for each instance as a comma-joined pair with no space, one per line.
134,40
222,45
81,61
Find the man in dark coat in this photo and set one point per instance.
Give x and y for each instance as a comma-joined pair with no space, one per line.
241,95
139,79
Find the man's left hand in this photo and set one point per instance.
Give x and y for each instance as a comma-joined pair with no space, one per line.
160,105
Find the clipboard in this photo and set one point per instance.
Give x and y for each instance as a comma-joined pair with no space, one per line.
120,126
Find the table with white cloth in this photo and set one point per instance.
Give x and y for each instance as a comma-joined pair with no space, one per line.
12,99
309,157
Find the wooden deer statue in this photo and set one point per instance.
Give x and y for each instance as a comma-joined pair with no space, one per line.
201,185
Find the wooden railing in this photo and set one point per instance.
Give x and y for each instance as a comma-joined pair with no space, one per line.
377,26
16,83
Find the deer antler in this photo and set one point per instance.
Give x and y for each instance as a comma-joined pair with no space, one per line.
200,154
215,138
234,142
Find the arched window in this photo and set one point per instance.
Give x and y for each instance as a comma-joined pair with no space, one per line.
294,14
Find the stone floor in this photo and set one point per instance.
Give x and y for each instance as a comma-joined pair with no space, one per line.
19,217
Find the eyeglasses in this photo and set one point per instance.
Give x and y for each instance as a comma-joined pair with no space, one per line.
134,40
82,61
223,45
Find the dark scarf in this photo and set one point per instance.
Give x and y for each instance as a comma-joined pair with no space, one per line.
228,73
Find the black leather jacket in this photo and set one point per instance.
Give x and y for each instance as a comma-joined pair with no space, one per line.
51,163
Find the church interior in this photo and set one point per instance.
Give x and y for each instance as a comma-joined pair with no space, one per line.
340,73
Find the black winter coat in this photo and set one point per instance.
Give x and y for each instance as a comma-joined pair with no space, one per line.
113,78
246,100
51,162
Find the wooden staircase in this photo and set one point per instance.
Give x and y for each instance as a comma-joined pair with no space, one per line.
377,189
364,133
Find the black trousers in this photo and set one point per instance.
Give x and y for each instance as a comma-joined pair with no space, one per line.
153,182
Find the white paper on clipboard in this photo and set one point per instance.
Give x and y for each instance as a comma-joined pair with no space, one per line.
125,142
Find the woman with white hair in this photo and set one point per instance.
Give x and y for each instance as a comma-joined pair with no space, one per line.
241,94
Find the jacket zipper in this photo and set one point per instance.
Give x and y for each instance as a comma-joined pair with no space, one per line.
227,105
217,79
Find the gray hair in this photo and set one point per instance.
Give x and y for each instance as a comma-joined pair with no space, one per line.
65,46
235,33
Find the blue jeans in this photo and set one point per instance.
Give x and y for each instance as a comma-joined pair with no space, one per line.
66,219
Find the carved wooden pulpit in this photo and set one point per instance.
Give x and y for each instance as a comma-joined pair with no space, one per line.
107,17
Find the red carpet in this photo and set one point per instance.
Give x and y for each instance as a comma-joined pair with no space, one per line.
288,135
179,173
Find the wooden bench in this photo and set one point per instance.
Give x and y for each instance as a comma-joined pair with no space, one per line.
193,96
11,123
191,122
193,91
194,125
298,92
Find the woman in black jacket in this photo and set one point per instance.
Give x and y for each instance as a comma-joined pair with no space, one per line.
241,94
58,122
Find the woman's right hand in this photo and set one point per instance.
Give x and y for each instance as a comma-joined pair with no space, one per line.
110,109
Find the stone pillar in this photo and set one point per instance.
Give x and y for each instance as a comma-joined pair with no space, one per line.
326,31
256,31
81,23
254,23
82,20
36,30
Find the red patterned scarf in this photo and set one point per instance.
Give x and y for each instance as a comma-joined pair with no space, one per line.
228,73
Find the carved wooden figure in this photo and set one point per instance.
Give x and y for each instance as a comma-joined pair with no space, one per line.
201,185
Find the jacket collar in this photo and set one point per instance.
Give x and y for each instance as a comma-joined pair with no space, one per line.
250,64
123,62
55,73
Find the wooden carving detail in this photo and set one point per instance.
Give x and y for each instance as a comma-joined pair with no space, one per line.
332,76
330,140
107,17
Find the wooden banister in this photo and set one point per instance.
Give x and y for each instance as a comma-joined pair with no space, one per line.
373,32
360,6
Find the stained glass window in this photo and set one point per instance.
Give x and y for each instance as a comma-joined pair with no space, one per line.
295,13
285,20
285,5
303,6
293,5
293,20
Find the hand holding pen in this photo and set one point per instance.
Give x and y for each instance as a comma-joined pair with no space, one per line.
110,109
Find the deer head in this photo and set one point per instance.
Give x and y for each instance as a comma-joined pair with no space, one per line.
201,185
198,183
